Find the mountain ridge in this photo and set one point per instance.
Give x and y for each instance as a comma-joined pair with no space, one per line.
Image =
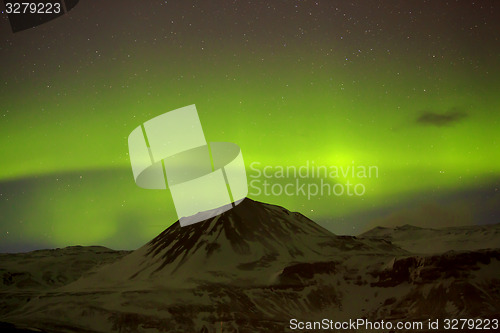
438,240
252,269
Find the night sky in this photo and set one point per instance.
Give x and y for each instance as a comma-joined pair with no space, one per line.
411,87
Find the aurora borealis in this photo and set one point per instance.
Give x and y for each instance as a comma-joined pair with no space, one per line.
410,87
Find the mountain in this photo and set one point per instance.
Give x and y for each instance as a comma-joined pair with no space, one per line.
255,267
426,240
250,244
46,269
24,276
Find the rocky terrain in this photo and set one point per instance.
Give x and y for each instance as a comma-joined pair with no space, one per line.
252,269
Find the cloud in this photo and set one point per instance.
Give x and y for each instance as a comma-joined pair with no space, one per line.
430,118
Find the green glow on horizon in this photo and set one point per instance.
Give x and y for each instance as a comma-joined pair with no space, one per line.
283,107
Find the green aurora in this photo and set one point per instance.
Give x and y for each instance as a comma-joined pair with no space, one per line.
418,101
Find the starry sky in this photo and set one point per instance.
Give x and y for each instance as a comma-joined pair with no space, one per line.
410,87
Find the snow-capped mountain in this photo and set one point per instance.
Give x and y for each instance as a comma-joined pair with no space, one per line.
249,244
252,269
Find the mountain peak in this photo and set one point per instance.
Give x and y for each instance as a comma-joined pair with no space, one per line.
407,227
251,232
248,222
